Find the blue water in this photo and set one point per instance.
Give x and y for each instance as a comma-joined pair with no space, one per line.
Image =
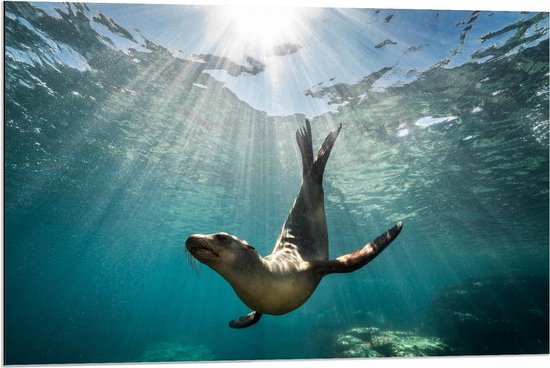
114,157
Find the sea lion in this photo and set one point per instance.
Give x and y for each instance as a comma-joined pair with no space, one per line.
285,279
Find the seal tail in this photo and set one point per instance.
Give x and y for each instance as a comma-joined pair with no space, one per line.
315,168
355,260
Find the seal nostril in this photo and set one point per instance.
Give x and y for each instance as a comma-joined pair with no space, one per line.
189,241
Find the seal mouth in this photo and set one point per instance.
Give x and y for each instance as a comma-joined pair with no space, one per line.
200,248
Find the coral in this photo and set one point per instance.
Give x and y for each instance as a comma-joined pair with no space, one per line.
368,342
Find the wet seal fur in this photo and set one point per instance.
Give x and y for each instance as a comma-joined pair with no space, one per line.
285,279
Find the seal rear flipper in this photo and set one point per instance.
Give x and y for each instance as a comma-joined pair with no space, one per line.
324,153
310,166
354,261
246,321
303,138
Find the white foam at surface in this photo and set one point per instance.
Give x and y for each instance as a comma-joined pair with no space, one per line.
429,121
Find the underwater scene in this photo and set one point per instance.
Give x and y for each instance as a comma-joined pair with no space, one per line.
130,127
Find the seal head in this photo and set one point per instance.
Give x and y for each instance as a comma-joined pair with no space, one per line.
221,250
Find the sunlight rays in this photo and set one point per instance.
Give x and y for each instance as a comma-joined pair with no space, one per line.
300,48
255,30
278,37
176,132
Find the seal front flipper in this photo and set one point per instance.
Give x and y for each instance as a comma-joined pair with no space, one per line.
354,261
245,321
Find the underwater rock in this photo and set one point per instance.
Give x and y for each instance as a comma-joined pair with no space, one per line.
174,352
494,315
370,342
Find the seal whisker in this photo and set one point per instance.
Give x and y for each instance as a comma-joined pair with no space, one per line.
192,262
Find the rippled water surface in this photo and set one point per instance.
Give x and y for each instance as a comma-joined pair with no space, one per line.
120,142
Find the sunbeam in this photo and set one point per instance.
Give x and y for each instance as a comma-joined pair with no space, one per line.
256,30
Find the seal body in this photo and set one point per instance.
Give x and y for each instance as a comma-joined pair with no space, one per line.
276,284
286,278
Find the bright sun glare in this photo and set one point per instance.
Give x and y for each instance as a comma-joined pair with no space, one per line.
259,27
262,23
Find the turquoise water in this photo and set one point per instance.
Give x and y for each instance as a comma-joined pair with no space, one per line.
114,155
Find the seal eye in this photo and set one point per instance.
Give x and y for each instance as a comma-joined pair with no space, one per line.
221,237
249,247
